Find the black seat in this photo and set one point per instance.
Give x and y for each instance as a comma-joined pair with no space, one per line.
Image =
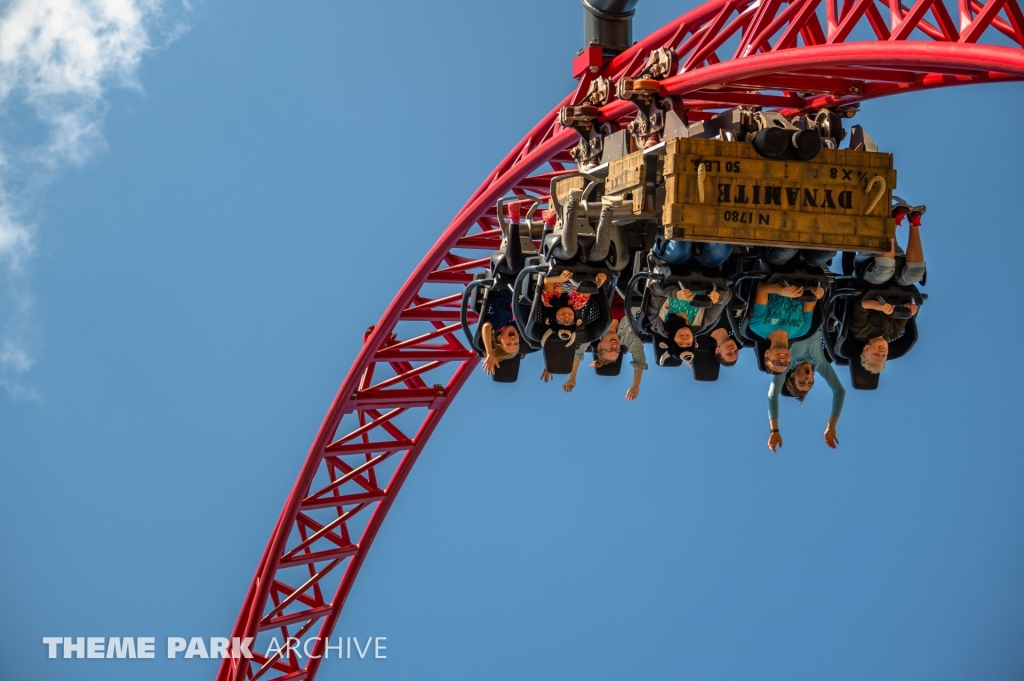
745,290
701,359
648,267
559,352
517,246
618,251
505,266
747,272
559,356
694,277
854,268
725,323
477,294
611,368
705,364
843,348
861,378
661,355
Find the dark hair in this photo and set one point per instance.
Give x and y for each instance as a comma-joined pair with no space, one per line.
549,313
598,360
789,388
722,360
560,300
673,324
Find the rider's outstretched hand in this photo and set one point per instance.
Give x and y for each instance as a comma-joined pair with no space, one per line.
490,364
831,439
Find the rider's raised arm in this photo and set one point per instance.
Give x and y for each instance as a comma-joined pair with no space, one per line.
714,313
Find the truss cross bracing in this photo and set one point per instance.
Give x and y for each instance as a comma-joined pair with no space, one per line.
791,56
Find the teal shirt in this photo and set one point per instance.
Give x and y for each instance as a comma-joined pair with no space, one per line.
808,350
676,306
780,313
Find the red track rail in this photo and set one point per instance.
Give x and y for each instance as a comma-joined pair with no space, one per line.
800,55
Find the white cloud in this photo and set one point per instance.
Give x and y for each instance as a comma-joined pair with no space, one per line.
58,59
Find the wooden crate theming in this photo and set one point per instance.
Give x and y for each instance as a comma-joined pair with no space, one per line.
750,199
563,186
627,176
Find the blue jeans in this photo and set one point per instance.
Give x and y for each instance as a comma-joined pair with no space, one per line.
679,252
781,256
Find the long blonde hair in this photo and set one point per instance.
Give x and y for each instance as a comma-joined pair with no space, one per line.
498,350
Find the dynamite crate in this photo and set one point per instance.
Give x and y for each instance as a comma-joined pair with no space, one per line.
632,176
725,191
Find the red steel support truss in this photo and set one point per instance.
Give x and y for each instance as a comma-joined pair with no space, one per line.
796,56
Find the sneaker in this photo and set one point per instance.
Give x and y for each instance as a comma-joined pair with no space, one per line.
612,201
898,214
900,209
915,215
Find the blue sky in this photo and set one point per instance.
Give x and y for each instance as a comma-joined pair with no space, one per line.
192,277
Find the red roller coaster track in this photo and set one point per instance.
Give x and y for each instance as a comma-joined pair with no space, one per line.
797,55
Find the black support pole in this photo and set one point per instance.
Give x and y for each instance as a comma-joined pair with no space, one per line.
608,24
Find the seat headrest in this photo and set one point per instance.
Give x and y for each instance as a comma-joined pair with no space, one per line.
507,371
861,378
613,368
705,364
760,348
558,358
662,357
